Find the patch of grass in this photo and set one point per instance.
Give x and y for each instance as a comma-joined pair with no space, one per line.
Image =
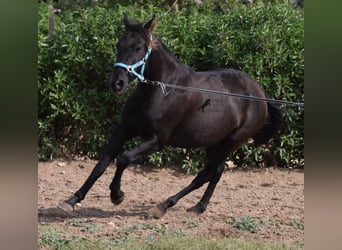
87,227
196,242
52,238
91,228
298,224
122,240
192,223
177,231
171,239
167,243
154,228
247,223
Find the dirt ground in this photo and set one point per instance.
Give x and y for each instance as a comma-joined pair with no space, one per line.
274,198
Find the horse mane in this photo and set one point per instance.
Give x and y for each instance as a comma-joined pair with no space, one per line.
164,47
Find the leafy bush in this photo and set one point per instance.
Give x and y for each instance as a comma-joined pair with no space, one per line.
77,110
75,107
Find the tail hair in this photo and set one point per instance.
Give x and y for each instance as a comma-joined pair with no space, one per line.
272,124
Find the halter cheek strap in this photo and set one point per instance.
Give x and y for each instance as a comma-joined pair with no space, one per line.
132,68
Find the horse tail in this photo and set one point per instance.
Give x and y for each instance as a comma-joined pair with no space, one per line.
272,124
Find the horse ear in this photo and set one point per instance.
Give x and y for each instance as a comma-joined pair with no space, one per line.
151,24
125,19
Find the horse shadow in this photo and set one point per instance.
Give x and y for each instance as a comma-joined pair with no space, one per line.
55,214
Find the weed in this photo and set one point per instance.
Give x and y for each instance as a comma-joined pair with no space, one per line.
177,231
91,228
75,223
154,228
247,223
88,227
191,223
298,224
52,237
121,240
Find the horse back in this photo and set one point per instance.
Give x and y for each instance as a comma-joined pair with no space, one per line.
231,80
210,117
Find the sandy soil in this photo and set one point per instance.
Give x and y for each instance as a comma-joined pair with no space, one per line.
273,197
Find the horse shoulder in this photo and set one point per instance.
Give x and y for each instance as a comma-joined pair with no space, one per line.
132,110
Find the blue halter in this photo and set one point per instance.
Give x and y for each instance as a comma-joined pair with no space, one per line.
131,68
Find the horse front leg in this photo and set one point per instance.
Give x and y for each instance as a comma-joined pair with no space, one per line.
123,160
114,146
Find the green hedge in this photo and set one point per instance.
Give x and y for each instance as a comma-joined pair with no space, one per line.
77,110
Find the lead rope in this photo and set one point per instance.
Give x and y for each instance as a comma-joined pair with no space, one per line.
163,88
160,84
255,98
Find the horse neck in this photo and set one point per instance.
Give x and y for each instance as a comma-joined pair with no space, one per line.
163,66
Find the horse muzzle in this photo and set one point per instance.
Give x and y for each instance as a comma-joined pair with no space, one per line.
118,87
119,82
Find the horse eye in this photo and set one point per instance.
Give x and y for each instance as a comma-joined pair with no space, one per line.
137,48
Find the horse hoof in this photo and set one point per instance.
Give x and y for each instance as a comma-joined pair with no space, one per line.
118,201
66,207
195,210
157,212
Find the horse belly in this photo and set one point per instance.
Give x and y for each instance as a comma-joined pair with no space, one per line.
200,133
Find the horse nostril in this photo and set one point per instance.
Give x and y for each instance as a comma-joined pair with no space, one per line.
117,85
120,83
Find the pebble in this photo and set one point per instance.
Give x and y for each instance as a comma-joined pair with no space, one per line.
111,224
61,164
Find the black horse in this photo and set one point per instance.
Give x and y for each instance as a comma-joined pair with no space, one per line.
179,118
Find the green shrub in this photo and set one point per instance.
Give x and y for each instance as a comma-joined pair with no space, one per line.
77,110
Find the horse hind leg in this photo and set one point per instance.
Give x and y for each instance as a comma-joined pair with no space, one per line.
201,206
201,178
211,173
226,147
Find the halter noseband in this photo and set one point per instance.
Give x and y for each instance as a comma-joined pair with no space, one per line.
131,68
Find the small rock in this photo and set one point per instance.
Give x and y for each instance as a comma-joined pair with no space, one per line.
111,224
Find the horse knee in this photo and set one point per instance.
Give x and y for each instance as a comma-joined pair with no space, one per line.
122,161
199,181
100,167
217,175
220,169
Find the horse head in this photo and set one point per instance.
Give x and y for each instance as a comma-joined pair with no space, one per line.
133,51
